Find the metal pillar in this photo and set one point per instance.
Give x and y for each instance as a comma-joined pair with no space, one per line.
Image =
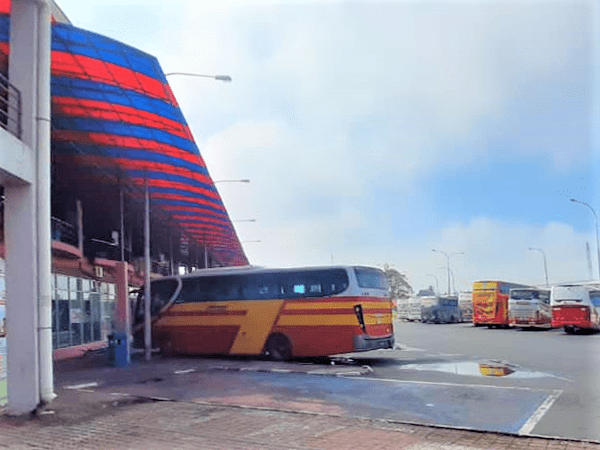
147,292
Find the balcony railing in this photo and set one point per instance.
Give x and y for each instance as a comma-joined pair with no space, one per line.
64,232
10,107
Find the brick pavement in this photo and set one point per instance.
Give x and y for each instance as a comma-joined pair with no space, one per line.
122,424
96,419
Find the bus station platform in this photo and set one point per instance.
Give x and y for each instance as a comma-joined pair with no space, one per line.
102,407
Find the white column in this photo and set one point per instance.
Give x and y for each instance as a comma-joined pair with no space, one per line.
20,221
44,249
21,299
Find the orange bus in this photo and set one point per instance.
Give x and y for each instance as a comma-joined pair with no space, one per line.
490,302
279,313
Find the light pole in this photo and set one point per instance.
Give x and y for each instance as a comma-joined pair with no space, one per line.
245,180
244,220
447,262
596,220
248,242
437,284
545,265
225,78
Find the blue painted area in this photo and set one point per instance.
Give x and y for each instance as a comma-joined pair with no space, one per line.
479,407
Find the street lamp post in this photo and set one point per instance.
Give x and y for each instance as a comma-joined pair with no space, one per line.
545,265
247,242
244,220
245,180
596,221
447,262
437,284
225,78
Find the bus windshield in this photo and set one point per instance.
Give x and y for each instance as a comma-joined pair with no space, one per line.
370,278
524,295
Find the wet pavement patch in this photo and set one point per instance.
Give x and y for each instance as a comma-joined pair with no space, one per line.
489,368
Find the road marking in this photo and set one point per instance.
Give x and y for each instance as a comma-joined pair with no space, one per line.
439,383
406,348
539,413
82,386
178,372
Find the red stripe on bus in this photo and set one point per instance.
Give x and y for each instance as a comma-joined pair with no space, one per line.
325,311
216,312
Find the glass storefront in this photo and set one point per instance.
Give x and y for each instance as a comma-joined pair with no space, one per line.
82,310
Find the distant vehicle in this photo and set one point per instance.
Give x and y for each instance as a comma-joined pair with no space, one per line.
490,302
402,308
281,313
529,308
2,319
465,303
414,304
438,309
575,308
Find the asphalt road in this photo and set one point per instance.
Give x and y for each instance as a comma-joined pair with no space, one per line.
564,367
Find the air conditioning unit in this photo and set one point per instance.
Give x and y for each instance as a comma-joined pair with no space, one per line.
99,271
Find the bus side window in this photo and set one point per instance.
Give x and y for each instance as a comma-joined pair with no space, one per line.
194,290
261,286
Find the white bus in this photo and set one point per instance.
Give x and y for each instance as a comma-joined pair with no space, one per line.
576,307
414,308
465,303
529,307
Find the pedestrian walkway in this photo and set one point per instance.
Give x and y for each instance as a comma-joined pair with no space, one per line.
87,417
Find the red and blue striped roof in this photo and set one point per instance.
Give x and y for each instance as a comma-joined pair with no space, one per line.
113,111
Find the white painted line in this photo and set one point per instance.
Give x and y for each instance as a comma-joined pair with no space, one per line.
119,394
82,386
539,413
178,372
406,348
486,386
281,370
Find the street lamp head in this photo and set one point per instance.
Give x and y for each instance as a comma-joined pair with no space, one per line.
225,78
573,200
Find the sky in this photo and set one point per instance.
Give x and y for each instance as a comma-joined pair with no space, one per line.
374,132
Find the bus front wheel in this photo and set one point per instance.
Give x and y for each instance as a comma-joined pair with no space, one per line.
570,330
278,347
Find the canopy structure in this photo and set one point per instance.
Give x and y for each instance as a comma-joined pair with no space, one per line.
115,122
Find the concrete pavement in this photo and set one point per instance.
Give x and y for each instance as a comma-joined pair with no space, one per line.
89,414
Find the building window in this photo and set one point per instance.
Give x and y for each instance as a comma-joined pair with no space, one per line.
82,311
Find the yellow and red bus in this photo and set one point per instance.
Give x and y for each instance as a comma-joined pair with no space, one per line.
490,302
280,313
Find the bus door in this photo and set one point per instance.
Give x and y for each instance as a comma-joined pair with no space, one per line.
163,294
204,318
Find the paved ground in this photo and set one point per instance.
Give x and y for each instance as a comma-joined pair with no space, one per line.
93,415
565,366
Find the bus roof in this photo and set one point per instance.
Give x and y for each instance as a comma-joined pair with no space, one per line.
239,270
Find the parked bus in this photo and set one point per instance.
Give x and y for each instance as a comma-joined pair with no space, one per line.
280,313
529,307
465,303
402,307
575,308
414,308
438,309
490,302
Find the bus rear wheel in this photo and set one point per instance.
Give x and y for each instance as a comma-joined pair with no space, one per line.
278,347
570,330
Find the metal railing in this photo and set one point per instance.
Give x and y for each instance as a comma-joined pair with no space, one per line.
10,107
64,232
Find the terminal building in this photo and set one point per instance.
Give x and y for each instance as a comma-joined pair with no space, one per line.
119,142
